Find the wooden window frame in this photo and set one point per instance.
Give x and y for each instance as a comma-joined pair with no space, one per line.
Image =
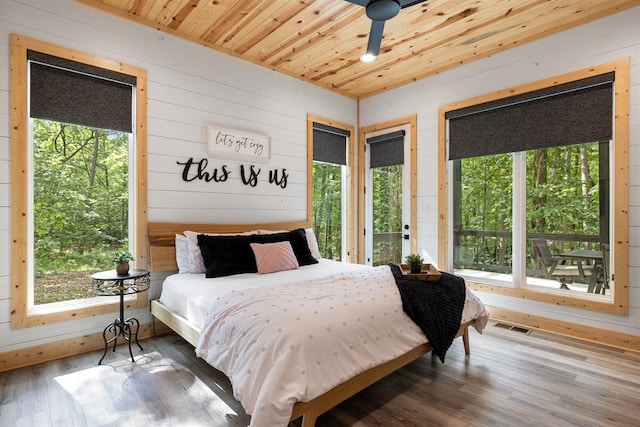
620,176
22,315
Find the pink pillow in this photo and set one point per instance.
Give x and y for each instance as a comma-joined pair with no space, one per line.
272,257
311,239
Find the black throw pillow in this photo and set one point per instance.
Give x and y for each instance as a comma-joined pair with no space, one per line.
226,255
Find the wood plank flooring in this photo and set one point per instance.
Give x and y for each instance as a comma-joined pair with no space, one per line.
512,378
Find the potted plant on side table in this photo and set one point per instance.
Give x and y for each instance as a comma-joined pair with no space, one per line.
121,260
414,261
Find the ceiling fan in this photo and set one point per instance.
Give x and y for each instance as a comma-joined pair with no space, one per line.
379,11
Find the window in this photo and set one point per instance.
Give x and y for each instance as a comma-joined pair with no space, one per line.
78,178
331,192
532,210
565,205
482,214
80,206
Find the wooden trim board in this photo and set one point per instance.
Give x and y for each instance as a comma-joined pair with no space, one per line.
23,357
619,340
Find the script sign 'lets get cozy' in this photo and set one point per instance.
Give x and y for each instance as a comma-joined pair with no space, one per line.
230,142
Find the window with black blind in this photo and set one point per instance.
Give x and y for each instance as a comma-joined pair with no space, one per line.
532,168
329,188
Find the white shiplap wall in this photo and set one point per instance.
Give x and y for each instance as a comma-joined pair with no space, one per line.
189,87
602,41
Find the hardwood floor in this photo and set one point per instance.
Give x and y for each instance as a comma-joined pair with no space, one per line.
512,378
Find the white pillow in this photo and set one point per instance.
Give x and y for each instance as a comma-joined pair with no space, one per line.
182,254
263,231
196,263
313,243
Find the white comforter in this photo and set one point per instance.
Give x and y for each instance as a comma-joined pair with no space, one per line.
293,342
190,295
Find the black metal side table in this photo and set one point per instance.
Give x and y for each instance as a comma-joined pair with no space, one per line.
110,283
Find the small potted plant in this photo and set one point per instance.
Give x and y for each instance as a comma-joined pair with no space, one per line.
121,260
414,261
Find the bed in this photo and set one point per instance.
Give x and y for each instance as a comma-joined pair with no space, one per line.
325,298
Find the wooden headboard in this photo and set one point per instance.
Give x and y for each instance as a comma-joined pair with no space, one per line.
162,237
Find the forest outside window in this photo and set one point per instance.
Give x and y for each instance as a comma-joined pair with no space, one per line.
533,206
77,175
566,209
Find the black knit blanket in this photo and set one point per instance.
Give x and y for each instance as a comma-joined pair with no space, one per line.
436,307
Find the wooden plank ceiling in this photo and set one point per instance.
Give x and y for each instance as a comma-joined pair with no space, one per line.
321,41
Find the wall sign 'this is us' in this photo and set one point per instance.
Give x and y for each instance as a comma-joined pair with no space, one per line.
236,143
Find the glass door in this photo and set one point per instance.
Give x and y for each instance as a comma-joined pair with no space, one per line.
387,196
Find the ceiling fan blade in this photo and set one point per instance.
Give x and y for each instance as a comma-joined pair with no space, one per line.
408,3
362,3
375,37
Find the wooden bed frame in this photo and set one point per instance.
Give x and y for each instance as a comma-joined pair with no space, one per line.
163,259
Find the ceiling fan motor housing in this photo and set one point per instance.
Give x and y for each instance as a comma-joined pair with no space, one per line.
381,10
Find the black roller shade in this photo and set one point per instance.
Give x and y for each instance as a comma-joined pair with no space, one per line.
81,94
330,144
386,150
572,113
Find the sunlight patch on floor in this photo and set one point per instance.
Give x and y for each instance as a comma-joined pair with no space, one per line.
111,394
